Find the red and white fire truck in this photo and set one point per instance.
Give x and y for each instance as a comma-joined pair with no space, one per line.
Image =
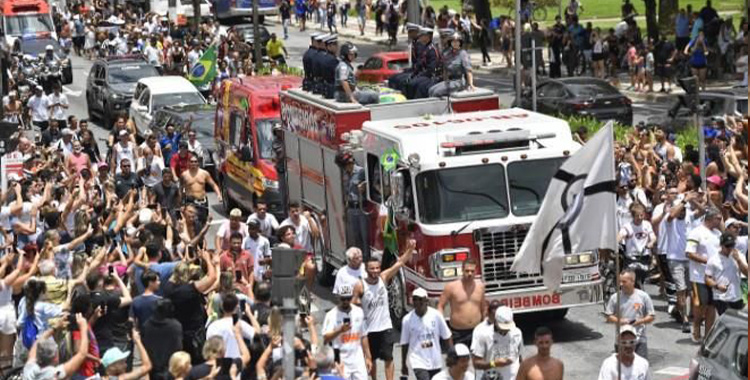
466,183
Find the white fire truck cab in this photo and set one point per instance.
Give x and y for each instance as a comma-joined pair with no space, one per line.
461,184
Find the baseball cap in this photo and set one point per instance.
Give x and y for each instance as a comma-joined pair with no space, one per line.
716,180
145,215
459,351
419,293
727,240
123,132
504,318
628,329
102,165
730,221
114,355
253,223
345,291
183,144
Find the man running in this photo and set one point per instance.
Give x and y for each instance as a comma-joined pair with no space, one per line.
194,182
466,299
541,366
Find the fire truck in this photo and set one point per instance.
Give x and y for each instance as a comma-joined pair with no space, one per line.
466,180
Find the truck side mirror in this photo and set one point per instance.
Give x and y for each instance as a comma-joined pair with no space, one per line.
246,154
397,190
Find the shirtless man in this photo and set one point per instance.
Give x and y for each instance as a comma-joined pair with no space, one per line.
466,299
194,182
541,366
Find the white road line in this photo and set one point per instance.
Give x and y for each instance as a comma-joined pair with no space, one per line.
218,221
67,91
673,371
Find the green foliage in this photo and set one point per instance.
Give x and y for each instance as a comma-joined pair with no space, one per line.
288,70
686,136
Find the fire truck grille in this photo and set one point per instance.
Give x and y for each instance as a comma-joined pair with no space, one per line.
498,251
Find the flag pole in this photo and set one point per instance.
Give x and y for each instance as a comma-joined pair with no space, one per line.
617,279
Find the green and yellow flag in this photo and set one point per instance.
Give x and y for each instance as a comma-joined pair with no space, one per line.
204,71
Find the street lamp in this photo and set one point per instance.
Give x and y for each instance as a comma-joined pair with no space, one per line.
692,101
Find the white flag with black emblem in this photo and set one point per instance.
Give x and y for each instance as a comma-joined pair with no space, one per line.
577,214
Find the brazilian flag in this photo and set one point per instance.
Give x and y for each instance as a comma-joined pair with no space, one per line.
204,71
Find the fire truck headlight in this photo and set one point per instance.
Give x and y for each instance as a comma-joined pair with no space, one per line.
582,259
270,184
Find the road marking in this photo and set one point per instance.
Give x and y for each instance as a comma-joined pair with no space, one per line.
673,371
70,92
218,221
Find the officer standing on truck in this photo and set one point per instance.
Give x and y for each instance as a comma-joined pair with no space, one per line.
330,62
353,177
399,81
346,83
307,59
316,64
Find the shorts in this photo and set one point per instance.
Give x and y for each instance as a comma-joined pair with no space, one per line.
722,306
664,71
461,336
702,295
381,344
698,65
8,319
633,70
680,274
596,57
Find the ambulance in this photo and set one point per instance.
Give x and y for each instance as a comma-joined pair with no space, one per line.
462,178
25,18
247,110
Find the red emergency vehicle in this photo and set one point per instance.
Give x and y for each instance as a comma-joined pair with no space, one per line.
25,18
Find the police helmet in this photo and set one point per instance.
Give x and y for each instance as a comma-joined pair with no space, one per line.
346,49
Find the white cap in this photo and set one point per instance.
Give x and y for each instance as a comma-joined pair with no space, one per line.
420,293
345,291
145,215
504,318
461,350
730,221
628,328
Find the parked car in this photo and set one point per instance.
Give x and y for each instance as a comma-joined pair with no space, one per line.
36,47
723,354
154,93
201,119
381,66
246,32
716,104
580,96
111,83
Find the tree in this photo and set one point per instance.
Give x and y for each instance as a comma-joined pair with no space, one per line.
667,11
652,27
196,14
481,9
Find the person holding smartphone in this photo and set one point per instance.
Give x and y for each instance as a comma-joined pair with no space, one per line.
240,262
224,327
344,329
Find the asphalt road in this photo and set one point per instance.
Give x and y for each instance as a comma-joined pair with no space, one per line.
583,340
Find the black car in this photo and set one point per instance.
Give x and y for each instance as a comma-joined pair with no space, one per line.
111,83
723,355
36,47
202,123
246,32
580,97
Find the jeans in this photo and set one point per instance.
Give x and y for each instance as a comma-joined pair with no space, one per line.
285,25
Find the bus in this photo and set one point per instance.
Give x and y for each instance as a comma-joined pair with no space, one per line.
226,9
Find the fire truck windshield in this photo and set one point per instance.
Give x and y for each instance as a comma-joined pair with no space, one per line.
19,25
528,182
265,137
462,194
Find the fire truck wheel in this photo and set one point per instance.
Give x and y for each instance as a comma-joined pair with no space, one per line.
555,315
226,201
397,300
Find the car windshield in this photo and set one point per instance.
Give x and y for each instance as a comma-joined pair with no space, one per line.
130,73
528,182
28,24
591,90
265,137
462,194
398,65
203,123
163,100
37,47
742,106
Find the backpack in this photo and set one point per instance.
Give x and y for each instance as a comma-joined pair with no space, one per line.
29,331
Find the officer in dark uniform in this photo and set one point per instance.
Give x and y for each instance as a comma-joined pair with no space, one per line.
307,62
431,65
398,81
328,66
316,64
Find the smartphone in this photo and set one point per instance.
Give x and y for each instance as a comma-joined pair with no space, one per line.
347,321
302,317
111,270
237,275
225,364
243,305
72,322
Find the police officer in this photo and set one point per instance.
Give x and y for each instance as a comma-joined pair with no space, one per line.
431,67
316,64
457,74
346,84
353,177
307,62
329,65
399,81
445,35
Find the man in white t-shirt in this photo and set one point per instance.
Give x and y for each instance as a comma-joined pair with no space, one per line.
353,272
58,106
344,329
268,222
228,227
497,351
224,327
422,331
305,228
702,244
259,247
734,226
632,366
674,230
723,275
639,238
636,309
39,108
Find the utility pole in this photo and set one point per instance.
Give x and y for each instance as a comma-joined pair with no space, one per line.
256,37
412,11
518,50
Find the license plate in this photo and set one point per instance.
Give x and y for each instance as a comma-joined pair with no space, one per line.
576,277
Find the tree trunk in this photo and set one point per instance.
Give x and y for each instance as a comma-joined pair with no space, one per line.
196,14
667,11
481,10
651,25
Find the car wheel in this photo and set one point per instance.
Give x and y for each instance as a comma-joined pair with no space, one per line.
555,315
106,117
226,201
89,108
